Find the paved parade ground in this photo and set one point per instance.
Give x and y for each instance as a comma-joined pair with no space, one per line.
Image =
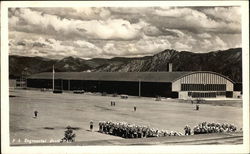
57,111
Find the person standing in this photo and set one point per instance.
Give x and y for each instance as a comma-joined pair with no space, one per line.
100,127
189,130
35,113
186,130
134,108
91,125
197,107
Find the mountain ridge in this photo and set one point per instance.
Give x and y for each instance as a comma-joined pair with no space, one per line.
227,62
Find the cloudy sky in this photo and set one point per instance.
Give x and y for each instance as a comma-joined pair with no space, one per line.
106,32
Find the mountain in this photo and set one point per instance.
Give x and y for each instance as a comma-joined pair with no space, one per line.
227,62
28,65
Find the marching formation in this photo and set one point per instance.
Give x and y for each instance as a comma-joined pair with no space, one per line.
205,127
126,130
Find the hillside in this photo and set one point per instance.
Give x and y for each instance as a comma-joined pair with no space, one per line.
227,62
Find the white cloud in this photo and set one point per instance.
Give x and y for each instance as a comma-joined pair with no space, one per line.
57,46
151,45
39,21
108,32
206,44
78,13
204,35
151,30
177,12
213,44
99,29
41,47
175,31
87,49
182,47
229,14
83,44
144,46
220,43
112,29
110,49
92,12
188,18
13,20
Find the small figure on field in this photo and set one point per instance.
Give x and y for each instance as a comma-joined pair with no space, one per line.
197,107
134,108
100,127
187,130
112,103
91,124
35,114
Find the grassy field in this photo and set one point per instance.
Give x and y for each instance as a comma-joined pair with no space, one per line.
57,111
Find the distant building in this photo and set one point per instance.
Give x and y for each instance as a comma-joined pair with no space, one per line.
12,83
17,83
183,85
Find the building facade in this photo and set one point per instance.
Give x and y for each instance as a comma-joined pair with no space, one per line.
183,85
203,85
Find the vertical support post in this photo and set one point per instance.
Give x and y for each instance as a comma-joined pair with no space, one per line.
139,88
69,85
21,81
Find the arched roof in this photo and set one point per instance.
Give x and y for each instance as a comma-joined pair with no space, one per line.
210,72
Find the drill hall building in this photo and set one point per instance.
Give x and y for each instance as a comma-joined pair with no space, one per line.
182,85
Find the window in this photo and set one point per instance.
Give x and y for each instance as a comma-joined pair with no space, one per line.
203,87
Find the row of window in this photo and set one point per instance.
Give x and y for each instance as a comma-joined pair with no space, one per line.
206,95
203,87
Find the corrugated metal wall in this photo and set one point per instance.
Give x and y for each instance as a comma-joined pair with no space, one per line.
203,79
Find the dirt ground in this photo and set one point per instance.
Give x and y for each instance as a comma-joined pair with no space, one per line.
57,111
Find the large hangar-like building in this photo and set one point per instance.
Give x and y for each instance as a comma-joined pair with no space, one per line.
203,85
184,85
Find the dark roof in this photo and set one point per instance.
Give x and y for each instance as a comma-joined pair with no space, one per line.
120,76
113,76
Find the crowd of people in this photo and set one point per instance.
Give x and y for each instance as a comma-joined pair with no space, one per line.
205,127
126,130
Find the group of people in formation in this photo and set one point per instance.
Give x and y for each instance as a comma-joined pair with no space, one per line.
205,127
126,130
